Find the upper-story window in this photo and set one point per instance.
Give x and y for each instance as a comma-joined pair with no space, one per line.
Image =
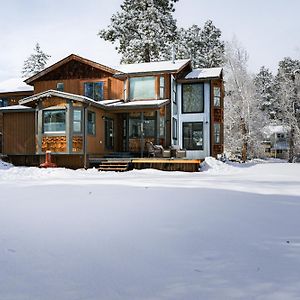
142,87
192,98
94,90
162,87
60,86
217,96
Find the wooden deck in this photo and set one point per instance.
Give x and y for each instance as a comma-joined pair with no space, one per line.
167,164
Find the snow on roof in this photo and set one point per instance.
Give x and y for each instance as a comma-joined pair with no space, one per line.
204,73
271,129
158,66
14,85
141,103
14,107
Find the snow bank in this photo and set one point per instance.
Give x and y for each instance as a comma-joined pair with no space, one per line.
215,166
5,165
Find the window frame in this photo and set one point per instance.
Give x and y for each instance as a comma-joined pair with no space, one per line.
217,97
183,137
215,135
59,88
107,146
182,98
175,129
73,120
93,132
93,83
139,78
54,110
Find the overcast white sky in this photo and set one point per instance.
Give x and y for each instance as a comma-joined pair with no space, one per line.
268,29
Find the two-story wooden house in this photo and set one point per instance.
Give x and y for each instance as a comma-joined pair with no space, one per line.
81,109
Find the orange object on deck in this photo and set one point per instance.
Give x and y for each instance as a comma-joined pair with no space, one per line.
48,163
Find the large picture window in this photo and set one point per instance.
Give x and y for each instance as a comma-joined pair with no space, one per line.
94,90
193,98
54,120
142,87
193,135
91,124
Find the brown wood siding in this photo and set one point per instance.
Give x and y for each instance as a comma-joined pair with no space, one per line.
95,143
70,86
19,133
217,116
113,88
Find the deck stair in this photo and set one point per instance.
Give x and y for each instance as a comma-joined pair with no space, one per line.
115,165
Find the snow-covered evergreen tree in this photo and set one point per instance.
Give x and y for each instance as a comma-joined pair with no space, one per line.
144,30
243,118
204,46
265,91
288,100
35,63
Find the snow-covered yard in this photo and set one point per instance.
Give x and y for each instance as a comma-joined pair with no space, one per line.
230,232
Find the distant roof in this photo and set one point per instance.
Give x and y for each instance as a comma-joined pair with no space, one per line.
204,73
14,85
271,129
15,108
158,66
66,60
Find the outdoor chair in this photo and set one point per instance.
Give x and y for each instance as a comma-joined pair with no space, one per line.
157,150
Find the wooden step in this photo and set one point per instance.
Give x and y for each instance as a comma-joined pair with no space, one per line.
119,166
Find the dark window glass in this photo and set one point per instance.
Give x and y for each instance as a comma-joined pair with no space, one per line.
193,135
3,102
175,129
134,128
60,86
149,127
91,124
54,120
94,90
193,98
109,133
77,116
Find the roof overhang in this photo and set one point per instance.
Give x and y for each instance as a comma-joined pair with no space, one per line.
110,105
137,105
151,68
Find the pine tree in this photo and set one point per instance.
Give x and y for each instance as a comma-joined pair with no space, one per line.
288,100
35,63
265,91
144,30
203,46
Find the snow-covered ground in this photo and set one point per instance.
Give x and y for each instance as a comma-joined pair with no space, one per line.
229,232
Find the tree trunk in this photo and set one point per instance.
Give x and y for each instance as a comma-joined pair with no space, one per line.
291,144
245,140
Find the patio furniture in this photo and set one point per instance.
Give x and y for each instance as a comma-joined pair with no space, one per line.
177,152
157,150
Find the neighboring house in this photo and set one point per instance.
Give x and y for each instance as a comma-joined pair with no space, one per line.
9,99
81,109
276,141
